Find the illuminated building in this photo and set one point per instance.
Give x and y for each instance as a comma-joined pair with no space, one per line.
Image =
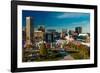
38,36
29,31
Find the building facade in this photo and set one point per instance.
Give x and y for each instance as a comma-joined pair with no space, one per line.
29,31
78,30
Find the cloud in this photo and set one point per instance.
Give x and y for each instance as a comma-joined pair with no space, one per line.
72,15
80,23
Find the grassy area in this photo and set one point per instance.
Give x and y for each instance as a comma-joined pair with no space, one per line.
83,51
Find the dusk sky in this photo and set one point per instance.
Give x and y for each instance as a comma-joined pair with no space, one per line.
58,20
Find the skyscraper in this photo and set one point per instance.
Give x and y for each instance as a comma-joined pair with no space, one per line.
29,31
65,32
71,32
78,30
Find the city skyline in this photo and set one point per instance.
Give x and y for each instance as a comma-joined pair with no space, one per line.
58,20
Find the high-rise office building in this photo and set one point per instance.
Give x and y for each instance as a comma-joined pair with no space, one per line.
64,32
52,35
78,30
29,31
71,32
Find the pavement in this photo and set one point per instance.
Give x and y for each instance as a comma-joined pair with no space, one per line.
68,57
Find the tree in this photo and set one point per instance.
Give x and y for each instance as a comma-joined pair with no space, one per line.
43,49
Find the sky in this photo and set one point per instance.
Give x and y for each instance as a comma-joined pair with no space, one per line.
58,20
